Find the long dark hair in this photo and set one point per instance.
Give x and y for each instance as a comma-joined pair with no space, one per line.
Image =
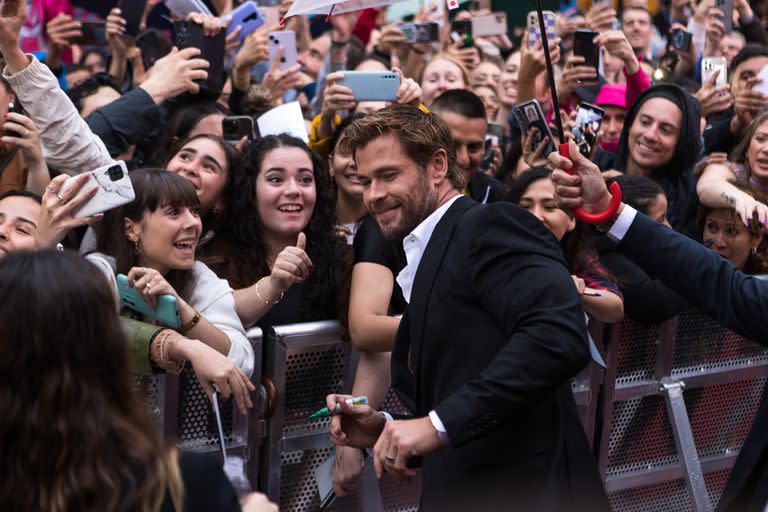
638,192
574,243
154,188
74,434
181,123
244,224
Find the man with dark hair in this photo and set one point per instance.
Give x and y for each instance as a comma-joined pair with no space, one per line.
464,113
482,357
92,94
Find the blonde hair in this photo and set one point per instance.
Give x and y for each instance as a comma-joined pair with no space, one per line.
448,58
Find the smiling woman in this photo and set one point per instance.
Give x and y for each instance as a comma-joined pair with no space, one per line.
153,240
279,242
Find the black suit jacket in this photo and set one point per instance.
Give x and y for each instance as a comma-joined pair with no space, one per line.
736,300
490,339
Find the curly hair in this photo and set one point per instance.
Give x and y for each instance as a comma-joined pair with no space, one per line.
245,225
74,435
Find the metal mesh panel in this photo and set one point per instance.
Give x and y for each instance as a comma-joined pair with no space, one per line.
150,388
715,482
310,376
298,489
197,423
722,415
399,496
641,437
393,404
636,354
703,344
664,497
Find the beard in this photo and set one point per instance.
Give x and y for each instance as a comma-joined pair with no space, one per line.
414,208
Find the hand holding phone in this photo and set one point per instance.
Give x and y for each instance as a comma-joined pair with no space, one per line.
113,186
585,128
461,30
235,128
584,46
534,34
132,12
285,39
247,17
165,311
371,85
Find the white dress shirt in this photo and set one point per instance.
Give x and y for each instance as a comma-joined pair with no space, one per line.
621,226
415,244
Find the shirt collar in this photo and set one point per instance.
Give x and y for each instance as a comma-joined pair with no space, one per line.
423,232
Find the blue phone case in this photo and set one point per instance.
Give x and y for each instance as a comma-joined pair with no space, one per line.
372,85
246,15
166,311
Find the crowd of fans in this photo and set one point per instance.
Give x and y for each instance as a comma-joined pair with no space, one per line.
273,230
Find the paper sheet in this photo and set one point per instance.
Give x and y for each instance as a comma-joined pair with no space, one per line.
286,118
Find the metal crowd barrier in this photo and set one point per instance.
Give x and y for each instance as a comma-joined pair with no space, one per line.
668,415
680,399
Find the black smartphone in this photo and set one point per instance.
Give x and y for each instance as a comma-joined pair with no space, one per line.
680,40
584,46
132,11
237,127
461,30
152,48
187,34
94,33
17,109
588,119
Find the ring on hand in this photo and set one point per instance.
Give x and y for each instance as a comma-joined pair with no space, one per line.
26,132
148,286
60,199
389,458
49,188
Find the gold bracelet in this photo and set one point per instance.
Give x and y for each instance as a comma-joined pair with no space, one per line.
191,324
262,298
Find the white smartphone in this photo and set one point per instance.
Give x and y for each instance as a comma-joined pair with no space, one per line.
711,64
287,40
762,87
533,27
114,189
494,24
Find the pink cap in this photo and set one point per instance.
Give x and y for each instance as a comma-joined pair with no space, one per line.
612,94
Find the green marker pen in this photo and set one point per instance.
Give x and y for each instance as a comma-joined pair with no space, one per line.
325,412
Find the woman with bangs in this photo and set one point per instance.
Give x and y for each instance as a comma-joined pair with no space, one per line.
153,240
279,245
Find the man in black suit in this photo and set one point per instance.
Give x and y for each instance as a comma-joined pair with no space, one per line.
493,332
711,283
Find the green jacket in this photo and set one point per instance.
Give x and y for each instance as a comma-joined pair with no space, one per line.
140,336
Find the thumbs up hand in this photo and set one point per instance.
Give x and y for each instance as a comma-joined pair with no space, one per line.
291,266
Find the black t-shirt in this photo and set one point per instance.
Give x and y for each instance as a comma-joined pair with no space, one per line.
372,247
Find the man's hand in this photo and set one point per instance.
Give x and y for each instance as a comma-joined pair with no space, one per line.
402,440
176,73
358,426
749,102
585,188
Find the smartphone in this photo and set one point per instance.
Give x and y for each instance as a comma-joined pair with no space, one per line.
711,64
461,30
287,40
16,109
534,34
94,33
420,32
187,34
246,16
132,12
494,135
588,120
182,8
152,48
727,7
166,311
584,46
237,127
372,85
529,115
762,87
114,189
494,24
680,40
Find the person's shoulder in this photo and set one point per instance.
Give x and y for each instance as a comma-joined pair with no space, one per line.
206,280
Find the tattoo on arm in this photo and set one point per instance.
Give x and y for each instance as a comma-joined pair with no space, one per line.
728,199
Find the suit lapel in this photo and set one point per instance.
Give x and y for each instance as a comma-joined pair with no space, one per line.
427,272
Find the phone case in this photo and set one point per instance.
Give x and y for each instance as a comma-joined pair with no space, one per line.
132,11
709,65
187,34
166,311
246,16
114,189
182,8
462,29
372,85
529,115
286,39
727,7
235,128
533,27
152,49
585,128
490,25
93,34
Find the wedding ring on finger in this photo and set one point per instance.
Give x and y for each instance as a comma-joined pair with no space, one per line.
148,286
389,459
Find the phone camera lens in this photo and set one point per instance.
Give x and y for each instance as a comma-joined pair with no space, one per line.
115,173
